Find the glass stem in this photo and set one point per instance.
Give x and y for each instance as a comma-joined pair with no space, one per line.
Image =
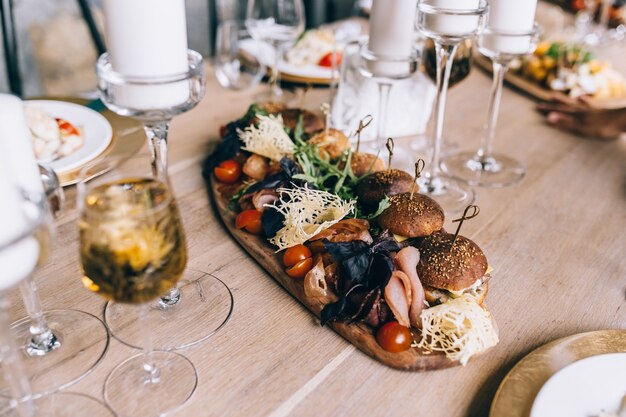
152,372
157,143
171,298
486,145
333,75
12,366
604,14
42,340
383,101
275,78
445,58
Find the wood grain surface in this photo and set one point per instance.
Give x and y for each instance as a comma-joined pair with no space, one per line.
556,242
359,335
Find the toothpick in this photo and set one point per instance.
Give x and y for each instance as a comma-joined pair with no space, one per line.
465,216
363,123
390,146
419,167
325,108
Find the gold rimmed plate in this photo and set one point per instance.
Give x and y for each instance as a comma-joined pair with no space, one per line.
518,390
127,138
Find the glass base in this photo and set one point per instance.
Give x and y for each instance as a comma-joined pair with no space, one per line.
496,171
62,404
453,196
204,307
285,96
130,391
82,342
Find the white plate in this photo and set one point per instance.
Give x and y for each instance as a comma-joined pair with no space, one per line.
95,129
584,388
265,54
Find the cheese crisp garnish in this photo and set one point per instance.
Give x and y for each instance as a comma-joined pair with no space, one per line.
460,328
307,212
268,138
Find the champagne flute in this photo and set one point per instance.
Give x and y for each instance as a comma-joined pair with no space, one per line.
447,24
23,239
133,249
277,23
484,167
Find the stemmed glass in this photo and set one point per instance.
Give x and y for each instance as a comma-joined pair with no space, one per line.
235,69
483,167
132,250
276,23
22,244
59,347
385,71
155,101
447,27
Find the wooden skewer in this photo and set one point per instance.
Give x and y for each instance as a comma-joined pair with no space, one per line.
390,145
466,216
363,123
419,167
325,108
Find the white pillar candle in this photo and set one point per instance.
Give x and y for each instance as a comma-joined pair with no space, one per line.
19,259
17,145
450,24
510,16
148,38
392,27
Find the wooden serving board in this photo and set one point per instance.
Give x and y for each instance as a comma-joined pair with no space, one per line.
535,90
359,335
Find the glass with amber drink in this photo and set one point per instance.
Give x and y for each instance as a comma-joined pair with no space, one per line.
133,250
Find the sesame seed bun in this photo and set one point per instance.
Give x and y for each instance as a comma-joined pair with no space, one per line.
332,143
450,267
363,163
412,217
375,187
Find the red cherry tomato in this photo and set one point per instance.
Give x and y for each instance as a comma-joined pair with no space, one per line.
327,60
300,269
393,337
250,221
295,254
67,128
228,171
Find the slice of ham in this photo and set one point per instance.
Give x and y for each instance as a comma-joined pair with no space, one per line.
398,297
406,260
264,197
315,285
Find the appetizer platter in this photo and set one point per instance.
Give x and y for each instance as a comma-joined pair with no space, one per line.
354,242
567,69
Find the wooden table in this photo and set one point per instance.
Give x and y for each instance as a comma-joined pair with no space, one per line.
556,242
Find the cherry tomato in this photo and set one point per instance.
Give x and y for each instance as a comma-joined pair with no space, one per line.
393,337
228,171
327,60
67,128
250,221
295,254
300,269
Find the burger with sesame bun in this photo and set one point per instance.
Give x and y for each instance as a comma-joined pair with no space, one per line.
373,188
411,216
449,268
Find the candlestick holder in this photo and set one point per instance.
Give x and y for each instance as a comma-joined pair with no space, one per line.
58,347
155,101
447,28
18,257
484,167
385,71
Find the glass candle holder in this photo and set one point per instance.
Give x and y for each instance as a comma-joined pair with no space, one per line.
484,167
447,27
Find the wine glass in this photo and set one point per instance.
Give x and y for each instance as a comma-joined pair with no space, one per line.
59,347
447,27
23,239
277,23
483,167
235,67
132,250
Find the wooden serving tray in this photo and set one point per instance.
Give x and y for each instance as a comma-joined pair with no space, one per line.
359,335
535,90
